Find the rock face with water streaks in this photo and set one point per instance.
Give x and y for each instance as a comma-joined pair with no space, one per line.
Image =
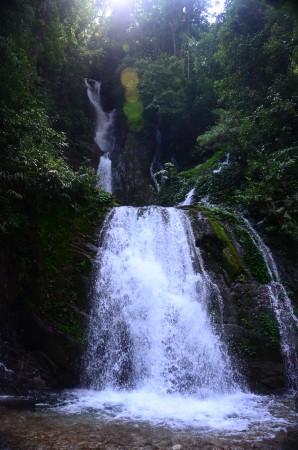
249,324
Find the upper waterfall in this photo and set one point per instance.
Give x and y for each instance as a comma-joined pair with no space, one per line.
150,326
103,133
156,164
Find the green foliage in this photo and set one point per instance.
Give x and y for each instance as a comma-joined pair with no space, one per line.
47,209
201,169
218,213
256,120
52,206
248,347
273,188
161,84
269,328
203,178
252,256
169,46
14,90
172,188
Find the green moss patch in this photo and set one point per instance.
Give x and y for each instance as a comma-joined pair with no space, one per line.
204,167
232,261
268,327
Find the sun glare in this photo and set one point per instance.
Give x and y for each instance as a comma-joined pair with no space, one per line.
120,3
217,7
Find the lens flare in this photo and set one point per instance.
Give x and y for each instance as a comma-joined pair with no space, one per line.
129,78
133,107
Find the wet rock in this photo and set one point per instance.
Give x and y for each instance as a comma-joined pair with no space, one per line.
131,159
245,310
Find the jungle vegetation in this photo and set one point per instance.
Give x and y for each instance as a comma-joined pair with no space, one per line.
224,94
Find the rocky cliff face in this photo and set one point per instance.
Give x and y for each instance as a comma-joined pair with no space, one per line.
248,323
34,354
131,159
44,304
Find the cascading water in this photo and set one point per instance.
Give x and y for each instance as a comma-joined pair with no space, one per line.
4,368
104,172
150,326
222,164
156,369
153,352
104,136
188,199
156,163
284,313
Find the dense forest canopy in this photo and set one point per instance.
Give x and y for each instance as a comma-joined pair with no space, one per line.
223,90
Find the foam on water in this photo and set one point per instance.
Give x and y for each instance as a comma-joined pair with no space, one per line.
231,413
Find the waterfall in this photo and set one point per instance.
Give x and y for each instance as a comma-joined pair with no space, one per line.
149,326
188,199
105,172
283,310
222,164
156,163
103,133
4,368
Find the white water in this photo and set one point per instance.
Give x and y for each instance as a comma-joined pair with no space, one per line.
4,368
239,415
153,177
156,163
222,164
113,420
188,199
283,309
105,172
150,327
104,136
153,352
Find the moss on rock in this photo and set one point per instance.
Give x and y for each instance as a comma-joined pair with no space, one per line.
252,255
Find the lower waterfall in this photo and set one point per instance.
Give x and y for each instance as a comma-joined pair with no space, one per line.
150,326
157,374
